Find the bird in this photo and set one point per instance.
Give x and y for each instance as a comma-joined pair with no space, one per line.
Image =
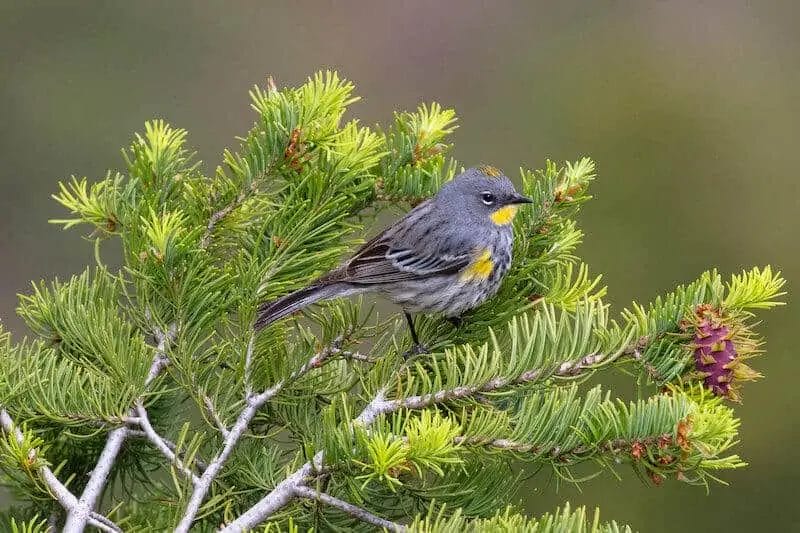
447,255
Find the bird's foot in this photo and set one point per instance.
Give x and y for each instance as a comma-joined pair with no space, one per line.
417,349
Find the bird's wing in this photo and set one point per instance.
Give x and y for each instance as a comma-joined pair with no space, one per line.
384,263
388,258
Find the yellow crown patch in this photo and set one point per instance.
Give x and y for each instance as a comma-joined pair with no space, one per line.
490,171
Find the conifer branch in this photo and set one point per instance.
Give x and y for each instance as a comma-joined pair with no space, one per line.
214,414
218,216
248,363
379,405
77,518
253,403
613,447
357,356
285,491
161,445
568,369
303,491
279,497
60,492
138,433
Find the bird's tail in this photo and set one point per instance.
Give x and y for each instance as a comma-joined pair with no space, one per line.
269,312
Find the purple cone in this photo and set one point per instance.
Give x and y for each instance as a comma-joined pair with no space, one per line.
714,352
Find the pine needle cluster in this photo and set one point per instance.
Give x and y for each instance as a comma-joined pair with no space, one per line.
142,399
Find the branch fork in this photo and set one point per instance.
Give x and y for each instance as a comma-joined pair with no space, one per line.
78,516
253,402
60,492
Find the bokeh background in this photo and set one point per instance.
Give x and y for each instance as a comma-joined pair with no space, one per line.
691,110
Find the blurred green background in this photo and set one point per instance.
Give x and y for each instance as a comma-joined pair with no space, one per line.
691,110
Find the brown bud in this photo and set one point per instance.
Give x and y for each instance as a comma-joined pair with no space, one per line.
637,449
684,427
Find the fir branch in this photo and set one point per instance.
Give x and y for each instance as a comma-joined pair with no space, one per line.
440,519
253,403
357,356
60,492
212,412
79,515
279,497
219,215
567,369
77,518
380,405
248,363
139,433
614,446
161,445
302,491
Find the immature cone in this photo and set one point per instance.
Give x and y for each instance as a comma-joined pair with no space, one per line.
715,353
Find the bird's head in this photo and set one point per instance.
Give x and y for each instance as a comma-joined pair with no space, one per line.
484,192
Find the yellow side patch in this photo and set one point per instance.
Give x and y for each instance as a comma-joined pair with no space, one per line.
490,171
480,268
504,215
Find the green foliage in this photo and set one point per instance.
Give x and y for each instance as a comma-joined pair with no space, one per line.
561,521
81,320
435,441
756,289
415,165
33,525
431,443
20,460
99,204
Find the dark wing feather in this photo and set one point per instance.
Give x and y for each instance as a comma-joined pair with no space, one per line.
403,251
379,261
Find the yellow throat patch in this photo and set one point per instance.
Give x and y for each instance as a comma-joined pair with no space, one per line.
480,268
504,215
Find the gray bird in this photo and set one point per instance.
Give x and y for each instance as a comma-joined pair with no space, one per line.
448,255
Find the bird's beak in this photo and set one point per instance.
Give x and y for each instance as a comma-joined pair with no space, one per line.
519,199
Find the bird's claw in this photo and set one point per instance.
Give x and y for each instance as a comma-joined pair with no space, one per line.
417,349
456,321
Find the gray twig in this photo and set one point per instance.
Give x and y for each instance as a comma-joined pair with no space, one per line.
357,356
77,516
303,491
278,498
217,216
284,492
248,364
158,442
212,412
138,433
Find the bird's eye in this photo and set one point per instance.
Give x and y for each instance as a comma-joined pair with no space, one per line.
487,197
